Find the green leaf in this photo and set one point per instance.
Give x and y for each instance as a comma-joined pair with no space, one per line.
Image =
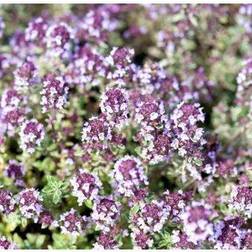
198,162
55,190
164,240
61,241
89,204
12,220
46,165
35,240
135,209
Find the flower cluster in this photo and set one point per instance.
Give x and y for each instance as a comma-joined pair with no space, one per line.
96,133
243,94
181,240
36,31
106,212
114,104
184,125
71,223
7,203
149,219
13,110
128,175
26,75
30,203
6,244
241,200
86,186
228,233
54,93
106,241
31,134
58,37
16,171
126,126
197,220
177,202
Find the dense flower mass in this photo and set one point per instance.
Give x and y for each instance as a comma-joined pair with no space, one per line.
197,222
114,106
31,134
54,93
71,223
30,203
126,126
15,171
6,244
128,175
106,212
25,75
7,203
85,186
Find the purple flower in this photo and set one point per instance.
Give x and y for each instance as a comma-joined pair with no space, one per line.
46,219
6,244
176,201
19,46
114,104
30,203
226,168
58,37
135,31
85,185
138,195
7,202
11,98
26,75
187,135
120,57
16,171
241,200
197,220
36,31
228,233
119,65
106,240
72,223
158,148
247,239
5,63
12,117
150,218
86,67
31,135
244,19
202,85
181,240
150,115
2,26
96,133
96,25
128,175
106,212
54,93
141,240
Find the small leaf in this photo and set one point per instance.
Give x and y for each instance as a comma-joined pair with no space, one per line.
135,209
89,204
55,190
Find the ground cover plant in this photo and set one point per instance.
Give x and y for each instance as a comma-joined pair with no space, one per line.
125,126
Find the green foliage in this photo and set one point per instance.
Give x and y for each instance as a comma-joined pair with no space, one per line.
35,241
163,240
54,190
61,241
